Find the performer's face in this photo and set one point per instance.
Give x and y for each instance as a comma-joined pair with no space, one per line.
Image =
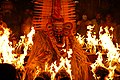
58,32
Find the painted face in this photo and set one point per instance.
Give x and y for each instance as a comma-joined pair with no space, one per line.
59,31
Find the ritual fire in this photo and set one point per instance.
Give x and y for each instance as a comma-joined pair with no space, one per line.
53,51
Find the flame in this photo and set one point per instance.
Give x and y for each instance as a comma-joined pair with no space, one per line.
26,44
112,54
80,39
7,51
105,41
38,70
6,48
64,64
91,39
97,63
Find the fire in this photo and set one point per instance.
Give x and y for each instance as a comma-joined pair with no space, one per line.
80,39
54,68
6,48
91,39
112,54
97,63
91,43
38,70
107,48
7,52
64,64
26,44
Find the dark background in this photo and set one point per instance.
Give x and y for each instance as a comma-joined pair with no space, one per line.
82,6
20,4
90,7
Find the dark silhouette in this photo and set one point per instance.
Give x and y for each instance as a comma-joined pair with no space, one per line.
7,72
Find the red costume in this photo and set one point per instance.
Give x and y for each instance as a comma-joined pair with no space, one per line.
49,42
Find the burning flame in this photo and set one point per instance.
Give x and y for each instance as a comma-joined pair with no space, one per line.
105,41
26,44
6,48
91,39
53,69
7,51
112,54
64,64
80,39
8,55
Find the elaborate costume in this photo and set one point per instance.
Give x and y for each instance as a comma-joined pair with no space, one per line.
55,34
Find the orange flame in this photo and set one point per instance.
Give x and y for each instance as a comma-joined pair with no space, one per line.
64,64
112,54
91,40
26,44
6,48
80,39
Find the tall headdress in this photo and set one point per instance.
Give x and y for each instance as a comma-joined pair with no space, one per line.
51,11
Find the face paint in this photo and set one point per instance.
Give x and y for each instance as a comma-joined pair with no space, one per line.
59,31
